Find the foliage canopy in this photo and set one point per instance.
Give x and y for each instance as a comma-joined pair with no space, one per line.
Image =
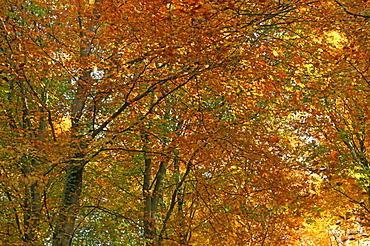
184,122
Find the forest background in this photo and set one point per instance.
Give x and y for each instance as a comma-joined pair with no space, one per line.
184,122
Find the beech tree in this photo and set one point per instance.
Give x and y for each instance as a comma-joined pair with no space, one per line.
181,122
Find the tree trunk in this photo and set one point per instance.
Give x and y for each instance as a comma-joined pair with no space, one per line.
149,229
31,208
151,199
65,224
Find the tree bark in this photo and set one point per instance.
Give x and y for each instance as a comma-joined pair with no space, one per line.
32,209
65,224
151,198
147,220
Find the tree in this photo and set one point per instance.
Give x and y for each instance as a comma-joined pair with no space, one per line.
160,123
332,108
